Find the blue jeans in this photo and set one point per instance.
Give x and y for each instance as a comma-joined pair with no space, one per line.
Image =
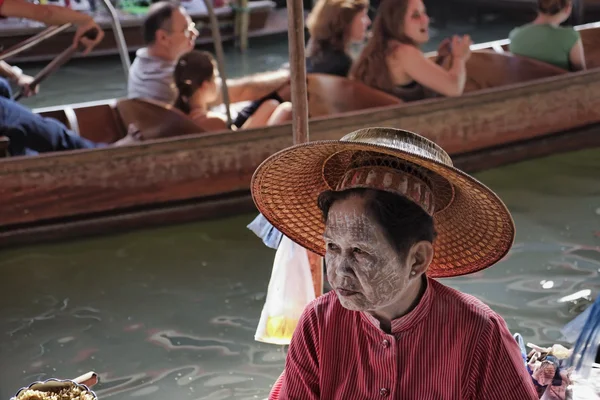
30,133
5,90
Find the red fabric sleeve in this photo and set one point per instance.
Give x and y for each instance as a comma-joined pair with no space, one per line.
497,370
300,380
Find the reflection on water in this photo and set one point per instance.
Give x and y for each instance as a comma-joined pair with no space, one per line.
171,312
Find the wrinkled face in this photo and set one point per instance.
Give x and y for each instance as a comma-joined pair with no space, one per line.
363,267
416,22
358,28
182,35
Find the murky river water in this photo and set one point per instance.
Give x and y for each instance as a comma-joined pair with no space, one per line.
171,312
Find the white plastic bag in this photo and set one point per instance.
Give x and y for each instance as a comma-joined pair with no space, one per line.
290,290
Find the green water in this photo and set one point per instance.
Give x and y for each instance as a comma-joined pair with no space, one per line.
171,312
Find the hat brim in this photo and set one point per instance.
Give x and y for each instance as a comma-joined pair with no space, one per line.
475,229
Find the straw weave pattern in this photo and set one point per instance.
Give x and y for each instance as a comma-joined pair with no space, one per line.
474,227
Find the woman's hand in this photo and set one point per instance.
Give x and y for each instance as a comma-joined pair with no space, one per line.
461,49
445,48
85,32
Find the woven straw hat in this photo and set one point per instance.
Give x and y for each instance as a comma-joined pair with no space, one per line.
475,229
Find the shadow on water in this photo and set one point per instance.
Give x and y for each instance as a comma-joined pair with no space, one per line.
171,312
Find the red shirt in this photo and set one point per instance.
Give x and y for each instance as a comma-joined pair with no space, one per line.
1,2
451,346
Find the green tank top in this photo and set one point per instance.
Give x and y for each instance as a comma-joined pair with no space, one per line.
547,43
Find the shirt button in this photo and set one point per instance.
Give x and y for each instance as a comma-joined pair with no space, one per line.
384,392
385,343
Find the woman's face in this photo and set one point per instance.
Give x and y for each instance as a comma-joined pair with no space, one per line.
363,267
358,28
416,22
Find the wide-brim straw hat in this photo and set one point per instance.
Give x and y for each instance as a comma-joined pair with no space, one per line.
475,229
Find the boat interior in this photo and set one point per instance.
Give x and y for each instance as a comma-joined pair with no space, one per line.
490,66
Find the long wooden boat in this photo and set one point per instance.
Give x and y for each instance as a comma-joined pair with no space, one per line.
514,109
263,20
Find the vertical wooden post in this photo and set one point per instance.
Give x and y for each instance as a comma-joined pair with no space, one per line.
216,36
295,10
241,24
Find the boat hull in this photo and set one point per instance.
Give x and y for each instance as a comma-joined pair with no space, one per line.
62,186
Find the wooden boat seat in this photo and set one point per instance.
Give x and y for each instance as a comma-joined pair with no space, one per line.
488,69
100,123
330,94
156,120
591,42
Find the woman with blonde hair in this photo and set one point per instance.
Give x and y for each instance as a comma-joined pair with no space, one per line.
393,62
545,40
196,82
333,26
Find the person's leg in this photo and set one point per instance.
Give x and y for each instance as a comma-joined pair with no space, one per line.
5,90
248,111
281,115
27,130
262,115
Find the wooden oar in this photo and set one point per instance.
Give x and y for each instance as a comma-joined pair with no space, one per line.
54,65
295,10
33,41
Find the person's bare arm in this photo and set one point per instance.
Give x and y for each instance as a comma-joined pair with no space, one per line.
8,72
448,82
577,57
254,87
16,75
55,15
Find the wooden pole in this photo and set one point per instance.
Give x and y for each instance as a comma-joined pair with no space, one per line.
216,36
295,10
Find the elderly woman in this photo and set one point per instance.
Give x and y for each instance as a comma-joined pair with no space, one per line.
389,212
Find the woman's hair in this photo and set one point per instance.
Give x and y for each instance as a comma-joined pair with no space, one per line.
371,67
192,70
329,24
552,7
402,220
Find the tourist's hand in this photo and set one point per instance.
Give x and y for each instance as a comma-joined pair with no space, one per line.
24,83
461,47
80,35
445,48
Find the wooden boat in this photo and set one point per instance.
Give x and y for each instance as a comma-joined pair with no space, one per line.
263,20
514,109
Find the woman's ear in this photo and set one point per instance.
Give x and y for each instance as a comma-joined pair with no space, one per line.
419,258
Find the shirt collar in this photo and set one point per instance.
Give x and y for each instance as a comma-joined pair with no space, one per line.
411,319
